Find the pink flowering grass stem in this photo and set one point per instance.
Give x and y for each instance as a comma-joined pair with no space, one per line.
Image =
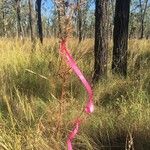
89,108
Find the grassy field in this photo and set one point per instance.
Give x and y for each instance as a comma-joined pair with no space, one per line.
40,96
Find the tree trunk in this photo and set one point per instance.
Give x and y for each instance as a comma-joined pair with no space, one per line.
39,20
142,29
59,23
101,40
30,19
19,34
143,12
61,7
3,23
112,5
120,37
79,22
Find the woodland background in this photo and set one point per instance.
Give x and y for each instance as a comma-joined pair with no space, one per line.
40,95
21,14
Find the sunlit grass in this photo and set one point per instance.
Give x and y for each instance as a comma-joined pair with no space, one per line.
34,116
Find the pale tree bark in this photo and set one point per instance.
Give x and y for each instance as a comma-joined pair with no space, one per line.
111,14
120,37
101,40
112,6
143,9
3,23
19,29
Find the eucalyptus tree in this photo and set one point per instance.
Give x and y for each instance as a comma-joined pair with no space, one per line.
38,5
18,15
101,39
7,18
143,8
30,19
120,37
81,17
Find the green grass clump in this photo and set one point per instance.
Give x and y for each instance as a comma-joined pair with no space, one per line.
39,100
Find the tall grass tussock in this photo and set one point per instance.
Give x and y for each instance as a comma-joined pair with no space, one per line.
39,95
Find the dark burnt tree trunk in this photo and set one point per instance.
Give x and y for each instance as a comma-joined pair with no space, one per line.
79,21
39,20
120,37
101,40
30,19
142,29
19,30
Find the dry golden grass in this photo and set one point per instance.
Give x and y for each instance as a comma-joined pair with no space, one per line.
31,90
